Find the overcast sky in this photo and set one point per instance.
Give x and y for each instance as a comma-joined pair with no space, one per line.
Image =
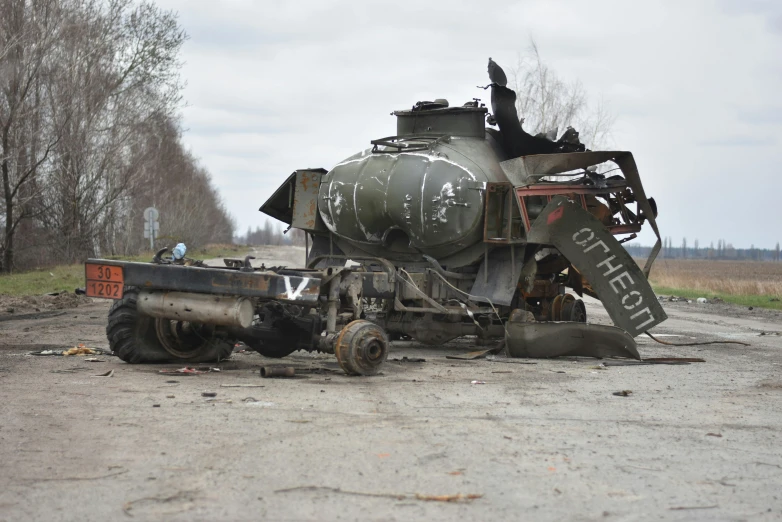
696,88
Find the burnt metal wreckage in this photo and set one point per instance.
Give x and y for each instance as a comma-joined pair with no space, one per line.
449,228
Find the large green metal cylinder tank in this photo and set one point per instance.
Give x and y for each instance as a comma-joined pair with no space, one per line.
420,191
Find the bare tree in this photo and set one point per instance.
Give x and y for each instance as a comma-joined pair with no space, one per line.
29,31
89,95
121,58
545,102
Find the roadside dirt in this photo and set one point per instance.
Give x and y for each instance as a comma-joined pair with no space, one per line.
545,439
10,305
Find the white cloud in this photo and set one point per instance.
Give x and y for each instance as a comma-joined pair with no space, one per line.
275,86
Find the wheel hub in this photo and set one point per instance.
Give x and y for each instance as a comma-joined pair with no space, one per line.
182,338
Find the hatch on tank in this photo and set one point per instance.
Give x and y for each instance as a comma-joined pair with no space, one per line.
438,118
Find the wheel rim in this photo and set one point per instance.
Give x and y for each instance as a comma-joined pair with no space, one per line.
182,338
361,348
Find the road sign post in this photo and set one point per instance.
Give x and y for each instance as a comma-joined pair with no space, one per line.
151,225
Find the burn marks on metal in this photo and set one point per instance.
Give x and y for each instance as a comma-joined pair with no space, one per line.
612,273
216,281
424,194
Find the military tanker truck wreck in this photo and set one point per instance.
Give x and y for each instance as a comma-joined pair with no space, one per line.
448,228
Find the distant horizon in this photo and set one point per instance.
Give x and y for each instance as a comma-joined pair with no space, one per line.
703,247
694,87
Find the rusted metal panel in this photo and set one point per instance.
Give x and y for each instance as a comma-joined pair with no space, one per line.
305,201
218,281
552,339
295,202
613,274
498,275
405,288
502,221
528,169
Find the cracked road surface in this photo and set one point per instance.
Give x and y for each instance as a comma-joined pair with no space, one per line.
542,439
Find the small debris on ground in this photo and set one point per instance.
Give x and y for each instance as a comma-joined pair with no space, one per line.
714,435
480,354
501,359
208,394
477,382
410,360
623,393
47,352
72,370
187,370
76,350
278,371
673,360
80,350
109,373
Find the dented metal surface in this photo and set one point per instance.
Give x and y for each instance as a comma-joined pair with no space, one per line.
217,281
554,339
448,229
613,274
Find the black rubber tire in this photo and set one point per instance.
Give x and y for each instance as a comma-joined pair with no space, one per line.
574,311
133,337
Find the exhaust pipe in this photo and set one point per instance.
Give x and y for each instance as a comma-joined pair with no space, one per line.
197,308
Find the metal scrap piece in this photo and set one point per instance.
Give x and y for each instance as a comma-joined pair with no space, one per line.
557,339
480,354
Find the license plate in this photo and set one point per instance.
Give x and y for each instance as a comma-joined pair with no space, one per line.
105,281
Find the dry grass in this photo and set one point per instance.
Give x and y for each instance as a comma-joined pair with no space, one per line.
740,278
67,277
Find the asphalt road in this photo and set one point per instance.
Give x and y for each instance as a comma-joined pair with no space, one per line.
540,440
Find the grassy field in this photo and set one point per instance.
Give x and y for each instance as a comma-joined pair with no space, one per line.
66,278
743,283
746,283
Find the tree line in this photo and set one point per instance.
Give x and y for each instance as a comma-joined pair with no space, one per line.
723,250
90,94
271,234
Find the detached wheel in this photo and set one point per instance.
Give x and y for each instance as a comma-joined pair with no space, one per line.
361,348
138,339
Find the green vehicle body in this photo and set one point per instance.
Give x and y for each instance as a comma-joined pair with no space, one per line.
451,192
448,228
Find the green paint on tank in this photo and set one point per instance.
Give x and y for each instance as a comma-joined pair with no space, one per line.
428,198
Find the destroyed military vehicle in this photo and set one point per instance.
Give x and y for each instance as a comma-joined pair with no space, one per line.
448,228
